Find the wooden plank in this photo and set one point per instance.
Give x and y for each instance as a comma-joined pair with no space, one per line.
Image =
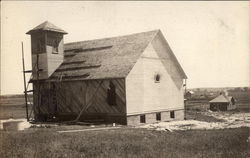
91,129
88,105
63,95
104,106
27,71
74,93
29,91
74,96
102,95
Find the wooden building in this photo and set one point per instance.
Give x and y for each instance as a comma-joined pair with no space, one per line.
189,94
128,79
222,103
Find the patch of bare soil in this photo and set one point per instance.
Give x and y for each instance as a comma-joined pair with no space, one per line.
227,120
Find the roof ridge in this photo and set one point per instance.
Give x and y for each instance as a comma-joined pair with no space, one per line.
219,97
119,36
116,55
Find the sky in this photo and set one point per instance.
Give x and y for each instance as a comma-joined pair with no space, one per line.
209,39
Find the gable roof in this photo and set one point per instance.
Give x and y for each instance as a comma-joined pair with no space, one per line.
191,92
222,99
102,58
173,57
46,26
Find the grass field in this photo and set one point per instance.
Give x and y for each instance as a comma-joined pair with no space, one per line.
12,107
126,142
201,97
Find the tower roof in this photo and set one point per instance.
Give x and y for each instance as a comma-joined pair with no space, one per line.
46,26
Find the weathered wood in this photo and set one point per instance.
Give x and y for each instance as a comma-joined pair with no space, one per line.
77,50
29,91
88,105
28,71
78,68
73,62
73,97
25,88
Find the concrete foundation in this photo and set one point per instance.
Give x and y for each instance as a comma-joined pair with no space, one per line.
151,117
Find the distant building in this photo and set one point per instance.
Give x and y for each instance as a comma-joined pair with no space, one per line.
222,103
189,94
127,79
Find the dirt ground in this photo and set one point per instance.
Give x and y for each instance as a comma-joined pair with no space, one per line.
225,120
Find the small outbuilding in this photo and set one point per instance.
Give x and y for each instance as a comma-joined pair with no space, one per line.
189,94
222,103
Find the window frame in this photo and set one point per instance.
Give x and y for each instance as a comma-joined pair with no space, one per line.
172,114
158,116
143,118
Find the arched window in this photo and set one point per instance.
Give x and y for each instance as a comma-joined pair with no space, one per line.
111,95
157,78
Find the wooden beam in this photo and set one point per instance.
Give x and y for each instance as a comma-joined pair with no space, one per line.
25,90
29,91
88,49
28,71
70,77
78,68
90,129
69,55
73,62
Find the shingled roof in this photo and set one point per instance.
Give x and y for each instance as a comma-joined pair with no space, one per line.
46,26
221,99
102,58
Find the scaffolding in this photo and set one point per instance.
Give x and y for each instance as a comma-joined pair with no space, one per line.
28,102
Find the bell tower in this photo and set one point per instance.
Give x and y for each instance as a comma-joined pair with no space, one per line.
47,49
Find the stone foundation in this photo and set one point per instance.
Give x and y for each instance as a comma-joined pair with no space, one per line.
151,117
120,119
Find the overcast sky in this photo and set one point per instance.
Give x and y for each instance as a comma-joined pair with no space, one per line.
209,39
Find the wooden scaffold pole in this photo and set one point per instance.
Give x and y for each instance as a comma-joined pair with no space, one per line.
25,88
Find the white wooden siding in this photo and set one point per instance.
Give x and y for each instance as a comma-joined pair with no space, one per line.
48,61
54,60
143,94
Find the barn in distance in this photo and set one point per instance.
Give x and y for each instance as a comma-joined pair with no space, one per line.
222,103
127,79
